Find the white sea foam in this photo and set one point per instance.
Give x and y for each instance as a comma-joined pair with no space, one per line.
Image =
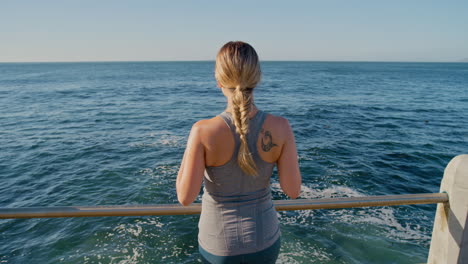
123,244
166,169
382,219
330,192
159,139
164,172
385,217
129,259
134,230
298,250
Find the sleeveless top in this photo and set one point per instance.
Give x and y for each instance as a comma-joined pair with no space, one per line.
238,216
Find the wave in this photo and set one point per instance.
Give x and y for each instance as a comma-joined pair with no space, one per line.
160,139
383,219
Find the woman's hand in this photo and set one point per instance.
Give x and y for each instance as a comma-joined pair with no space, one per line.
190,176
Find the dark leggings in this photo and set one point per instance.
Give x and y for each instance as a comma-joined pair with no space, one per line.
266,256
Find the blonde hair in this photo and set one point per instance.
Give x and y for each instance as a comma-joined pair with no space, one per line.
237,68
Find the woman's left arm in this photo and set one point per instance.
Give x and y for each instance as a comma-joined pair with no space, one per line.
190,176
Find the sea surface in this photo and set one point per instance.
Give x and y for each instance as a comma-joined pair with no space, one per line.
114,134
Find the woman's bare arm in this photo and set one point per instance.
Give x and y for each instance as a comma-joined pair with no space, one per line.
190,176
288,166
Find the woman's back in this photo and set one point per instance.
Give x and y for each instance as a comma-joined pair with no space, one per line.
272,142
231,195
228,179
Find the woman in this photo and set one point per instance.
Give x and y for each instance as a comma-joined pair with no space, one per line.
235,153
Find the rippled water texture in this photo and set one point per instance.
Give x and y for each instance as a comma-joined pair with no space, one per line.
114,133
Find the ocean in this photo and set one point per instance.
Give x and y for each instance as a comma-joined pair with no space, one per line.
113,133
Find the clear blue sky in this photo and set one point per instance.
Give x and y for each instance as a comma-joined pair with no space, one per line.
99,30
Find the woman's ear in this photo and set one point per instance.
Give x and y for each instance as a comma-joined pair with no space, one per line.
219,84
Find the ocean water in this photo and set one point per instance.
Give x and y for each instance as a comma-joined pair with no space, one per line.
114,133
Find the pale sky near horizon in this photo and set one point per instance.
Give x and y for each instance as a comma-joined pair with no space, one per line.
353,30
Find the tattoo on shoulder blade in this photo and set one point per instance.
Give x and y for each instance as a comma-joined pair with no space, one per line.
267,141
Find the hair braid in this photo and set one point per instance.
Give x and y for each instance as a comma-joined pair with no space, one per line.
237,66
241,104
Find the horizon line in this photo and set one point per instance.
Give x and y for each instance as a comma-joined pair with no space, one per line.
120,61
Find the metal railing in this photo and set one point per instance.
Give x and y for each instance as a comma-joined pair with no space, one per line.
176,209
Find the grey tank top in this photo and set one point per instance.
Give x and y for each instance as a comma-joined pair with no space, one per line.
238,216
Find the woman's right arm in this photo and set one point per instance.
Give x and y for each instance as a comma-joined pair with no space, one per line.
288,166
190,176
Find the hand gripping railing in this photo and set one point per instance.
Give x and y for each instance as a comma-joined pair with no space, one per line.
174,209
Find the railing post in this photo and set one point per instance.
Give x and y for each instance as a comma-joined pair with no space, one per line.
449,244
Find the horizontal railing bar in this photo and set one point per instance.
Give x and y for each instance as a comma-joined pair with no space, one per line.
176,209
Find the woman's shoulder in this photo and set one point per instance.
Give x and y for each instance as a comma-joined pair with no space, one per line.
277,126
210,127
212,132
276,121
209,124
